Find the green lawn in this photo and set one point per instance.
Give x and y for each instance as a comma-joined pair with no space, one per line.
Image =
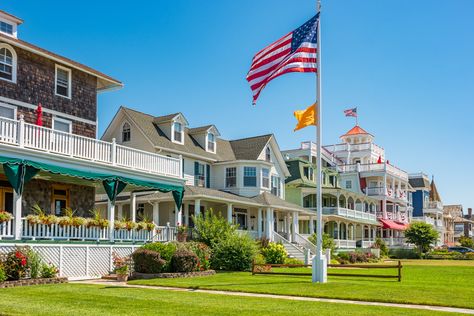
80,299
445,283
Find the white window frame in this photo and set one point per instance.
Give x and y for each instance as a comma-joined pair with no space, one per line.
14,62
182,133
69,90
59,119
14,108
208,141
229,177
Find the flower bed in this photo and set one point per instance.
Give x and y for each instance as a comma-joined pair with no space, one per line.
27,282
445,255
172,275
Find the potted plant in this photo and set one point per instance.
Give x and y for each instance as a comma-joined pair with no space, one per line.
5,216
121,267
182,233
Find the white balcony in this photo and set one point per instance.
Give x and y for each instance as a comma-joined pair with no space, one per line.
345,244
388,192
434,206
374,168
348,213
17,133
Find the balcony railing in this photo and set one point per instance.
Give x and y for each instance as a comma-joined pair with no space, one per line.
40,231
380,191
46,140
355,147
347,244
344,212
435,205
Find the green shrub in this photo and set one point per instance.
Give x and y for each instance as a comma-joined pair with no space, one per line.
34,263
166,251
380,244
234,253
3,275
184,261
274,253
148,261
355,257
466,242
403,253
16,264
211,228
293,261
48,271
328,241
201,250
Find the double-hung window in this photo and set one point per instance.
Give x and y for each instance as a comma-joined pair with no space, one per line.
63,82
178,132
276,185
250,176
265,178
230,177
199,175
211,142
6,28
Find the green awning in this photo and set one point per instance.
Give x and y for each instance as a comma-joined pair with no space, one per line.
20,171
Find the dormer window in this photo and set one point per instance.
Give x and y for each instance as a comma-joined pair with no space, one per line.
211,142
177,132
126,134
6,28
7,63
63,82
268,154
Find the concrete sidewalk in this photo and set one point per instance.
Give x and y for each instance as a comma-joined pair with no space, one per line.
284,297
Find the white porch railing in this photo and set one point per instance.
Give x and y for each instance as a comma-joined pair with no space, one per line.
84,233
345,212
367,244
394,241
49,141
305,243
348,244
6,229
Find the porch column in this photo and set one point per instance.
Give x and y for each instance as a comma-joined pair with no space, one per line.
197,207
156,213
178,215
186,214
288,226
229,212
338,195
17,207
259,223
111,213
295,225
133,207
269,224
311,224
119,211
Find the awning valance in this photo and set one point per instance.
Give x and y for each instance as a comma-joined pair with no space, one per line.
389,224
20,171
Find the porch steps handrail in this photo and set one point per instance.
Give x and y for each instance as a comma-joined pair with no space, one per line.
305,243
279,238
25,135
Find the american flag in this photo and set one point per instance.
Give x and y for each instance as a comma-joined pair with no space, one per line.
351,112
294,52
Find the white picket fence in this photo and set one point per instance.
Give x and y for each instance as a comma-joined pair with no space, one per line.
6,229
47,140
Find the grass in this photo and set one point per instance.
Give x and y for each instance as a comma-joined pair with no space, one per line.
80,299
435,282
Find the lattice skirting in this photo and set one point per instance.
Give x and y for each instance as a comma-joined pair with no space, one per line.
77,261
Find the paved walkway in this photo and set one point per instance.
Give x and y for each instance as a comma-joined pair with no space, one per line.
285,297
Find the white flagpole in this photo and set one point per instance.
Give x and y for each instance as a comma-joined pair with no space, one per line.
319,260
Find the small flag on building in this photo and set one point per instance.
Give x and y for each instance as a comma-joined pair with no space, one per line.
305,117
351,112
294,52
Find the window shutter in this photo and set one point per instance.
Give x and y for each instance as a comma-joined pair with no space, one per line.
208,176
196,173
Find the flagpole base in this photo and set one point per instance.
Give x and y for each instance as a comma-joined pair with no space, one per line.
320,269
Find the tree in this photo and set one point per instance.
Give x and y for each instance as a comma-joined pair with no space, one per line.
466,242
421,234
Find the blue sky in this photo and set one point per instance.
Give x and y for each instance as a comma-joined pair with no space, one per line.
407,65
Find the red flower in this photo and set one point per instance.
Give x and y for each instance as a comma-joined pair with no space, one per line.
23,262
18,254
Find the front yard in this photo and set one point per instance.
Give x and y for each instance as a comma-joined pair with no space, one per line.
444,283
79,299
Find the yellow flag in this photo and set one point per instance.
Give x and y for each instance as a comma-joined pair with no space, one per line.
305,117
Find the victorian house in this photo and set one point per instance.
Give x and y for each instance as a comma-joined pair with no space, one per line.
241,179
349,216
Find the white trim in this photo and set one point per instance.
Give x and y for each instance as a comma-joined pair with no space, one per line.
14,108
182,132
69,86
59,119
46,110
14,62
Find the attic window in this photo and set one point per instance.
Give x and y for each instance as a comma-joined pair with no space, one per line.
177,132
211,142
126,135
268,156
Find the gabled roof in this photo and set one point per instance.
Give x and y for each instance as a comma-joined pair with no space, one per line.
249,148
165,118
11,16
434,195
356,130
454,210
104,81
202,129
